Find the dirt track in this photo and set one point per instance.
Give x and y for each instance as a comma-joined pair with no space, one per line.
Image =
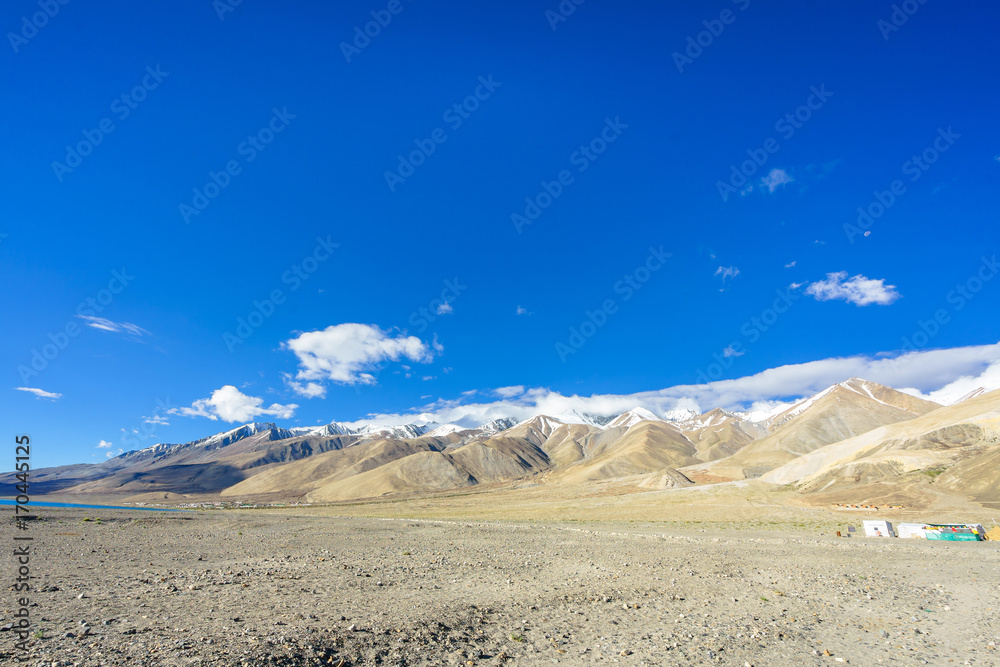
233,588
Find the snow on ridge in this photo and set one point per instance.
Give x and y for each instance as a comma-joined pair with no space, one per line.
679,415
801,406
445,429
632,417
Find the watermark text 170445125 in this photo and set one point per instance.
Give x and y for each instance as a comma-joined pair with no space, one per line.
22,545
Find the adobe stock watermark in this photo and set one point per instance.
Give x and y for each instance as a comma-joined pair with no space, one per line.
581,158
122,106
133,437
957,298
563,11
381,18
915,167
901,13
786,126
423,316
59,340
223,7
248,149
714,28
37,21
454,115
294,277
627,286
752,330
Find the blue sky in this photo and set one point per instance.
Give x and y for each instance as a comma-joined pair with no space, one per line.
177,162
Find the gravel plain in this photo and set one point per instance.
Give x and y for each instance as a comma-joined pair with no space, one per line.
290,588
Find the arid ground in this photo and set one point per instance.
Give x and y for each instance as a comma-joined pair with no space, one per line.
312,585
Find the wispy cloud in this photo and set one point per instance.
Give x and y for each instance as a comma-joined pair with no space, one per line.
41,393
775,178
231,405
859,290
790,264
104,444
105,324
521,310
304,389
732,352
445,309
727,272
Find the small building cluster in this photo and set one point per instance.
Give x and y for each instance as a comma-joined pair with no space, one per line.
953,532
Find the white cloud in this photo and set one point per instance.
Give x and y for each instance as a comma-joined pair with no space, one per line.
509,392
923,371
795,285
445,309
306,389
231,405
346,353
727,272
989,380
104,444
159,420
775,178
859,290
521,310
41,393
107,325
790,264
732,352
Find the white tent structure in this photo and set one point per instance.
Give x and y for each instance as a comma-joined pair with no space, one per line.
913,530
878,529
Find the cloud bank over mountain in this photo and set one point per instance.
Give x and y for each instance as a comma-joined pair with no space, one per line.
931,374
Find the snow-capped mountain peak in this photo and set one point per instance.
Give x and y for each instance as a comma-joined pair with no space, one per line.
445,429
633,417
333,428
398,432
680,415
